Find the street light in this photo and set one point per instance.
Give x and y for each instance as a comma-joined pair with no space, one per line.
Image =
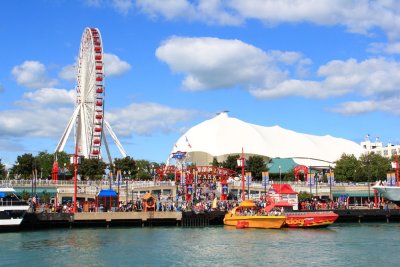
126,183
153,174
316,177
330,182
64,171
368,169
280,181
241,163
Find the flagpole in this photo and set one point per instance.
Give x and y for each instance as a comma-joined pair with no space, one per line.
75,176
243,195
397,169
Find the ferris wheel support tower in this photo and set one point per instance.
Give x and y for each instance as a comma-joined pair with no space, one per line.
88,117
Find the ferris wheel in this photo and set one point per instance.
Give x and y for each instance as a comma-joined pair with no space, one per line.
88,117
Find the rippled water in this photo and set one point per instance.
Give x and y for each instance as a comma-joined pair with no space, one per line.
339,245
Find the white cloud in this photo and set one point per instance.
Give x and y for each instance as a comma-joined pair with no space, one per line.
387,48
358,16
37,122
375,77
114,66
291,87
42,113
122,6
391,105
32,74
51,96
147,118
212,63
93,3
209,11
46,112
68,73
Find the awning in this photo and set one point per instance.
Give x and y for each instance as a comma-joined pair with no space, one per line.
353,193
107,193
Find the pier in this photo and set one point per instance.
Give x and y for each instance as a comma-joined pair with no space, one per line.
33,221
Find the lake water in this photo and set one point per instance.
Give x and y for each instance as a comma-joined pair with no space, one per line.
367,244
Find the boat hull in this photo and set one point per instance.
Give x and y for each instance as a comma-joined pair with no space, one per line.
265,222
310,219
391,193
12,215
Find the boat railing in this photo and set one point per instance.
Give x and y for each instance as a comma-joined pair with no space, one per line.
11,202
308,212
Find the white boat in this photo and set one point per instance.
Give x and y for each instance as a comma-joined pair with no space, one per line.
391,193
12,209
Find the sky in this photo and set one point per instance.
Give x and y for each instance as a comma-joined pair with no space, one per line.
321,67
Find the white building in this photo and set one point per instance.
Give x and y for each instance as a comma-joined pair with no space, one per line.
377,147
222,136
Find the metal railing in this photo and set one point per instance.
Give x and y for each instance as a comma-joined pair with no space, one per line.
10,202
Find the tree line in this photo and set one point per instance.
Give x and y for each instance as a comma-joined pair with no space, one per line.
369,167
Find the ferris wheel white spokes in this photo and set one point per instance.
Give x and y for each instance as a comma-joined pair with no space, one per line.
90,94
88,117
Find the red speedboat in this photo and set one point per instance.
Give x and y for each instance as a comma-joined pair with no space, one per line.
301,219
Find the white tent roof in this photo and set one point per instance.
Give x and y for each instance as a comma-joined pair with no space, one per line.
223,135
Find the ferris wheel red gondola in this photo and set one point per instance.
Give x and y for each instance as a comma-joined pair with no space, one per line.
88,117
90,93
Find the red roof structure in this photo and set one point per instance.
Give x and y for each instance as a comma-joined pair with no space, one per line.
283,189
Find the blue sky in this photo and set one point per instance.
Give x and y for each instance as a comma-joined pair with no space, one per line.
318,67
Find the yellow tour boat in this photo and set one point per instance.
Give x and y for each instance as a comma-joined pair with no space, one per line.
248,215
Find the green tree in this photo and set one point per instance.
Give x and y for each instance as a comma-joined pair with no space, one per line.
25,195
3,172
346,168
231,162
46,197
373,167
24,166
290,176
45,161
127,165
144,170
92,169
303,196
256,165
215,162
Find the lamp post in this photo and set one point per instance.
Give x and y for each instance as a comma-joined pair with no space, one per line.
280,181
330,182
316,177
64,171
248,186
126,183
309,179
153,174
369,192
240,163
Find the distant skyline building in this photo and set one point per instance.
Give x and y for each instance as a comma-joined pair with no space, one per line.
222,136
378,147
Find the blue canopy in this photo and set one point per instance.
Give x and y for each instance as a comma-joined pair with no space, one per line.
107,193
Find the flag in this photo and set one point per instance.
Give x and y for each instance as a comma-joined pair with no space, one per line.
176,146
187,141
